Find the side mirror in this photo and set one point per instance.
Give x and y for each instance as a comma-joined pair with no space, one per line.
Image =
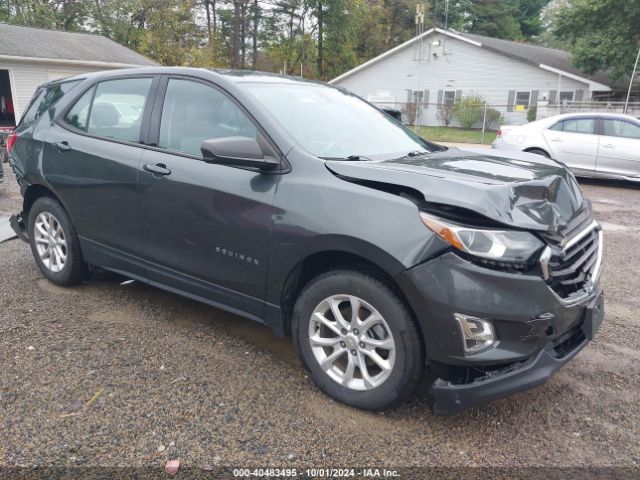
237,151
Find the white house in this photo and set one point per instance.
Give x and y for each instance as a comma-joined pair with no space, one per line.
433,70
32,56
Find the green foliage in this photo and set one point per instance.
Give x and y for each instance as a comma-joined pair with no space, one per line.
469,110
603,34
496,18
493,119
532,113
325,37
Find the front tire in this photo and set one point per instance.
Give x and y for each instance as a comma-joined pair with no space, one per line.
54,243
358,340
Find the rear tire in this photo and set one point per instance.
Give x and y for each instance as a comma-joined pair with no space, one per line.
371,360
54,243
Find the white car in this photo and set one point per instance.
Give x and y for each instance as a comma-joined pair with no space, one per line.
590,144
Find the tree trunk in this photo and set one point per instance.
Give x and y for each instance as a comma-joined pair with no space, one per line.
206,7
213,11
320,41
243,35
254,53
235,35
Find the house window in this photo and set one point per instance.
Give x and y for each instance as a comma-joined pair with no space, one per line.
449,97
523,99
566,97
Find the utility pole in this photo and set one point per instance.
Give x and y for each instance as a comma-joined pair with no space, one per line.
419,34
633,76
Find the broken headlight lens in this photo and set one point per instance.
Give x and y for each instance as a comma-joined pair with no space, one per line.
500,245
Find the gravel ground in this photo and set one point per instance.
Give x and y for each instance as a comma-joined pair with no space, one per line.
110,375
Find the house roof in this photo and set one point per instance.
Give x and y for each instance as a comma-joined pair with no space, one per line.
22,43
557,61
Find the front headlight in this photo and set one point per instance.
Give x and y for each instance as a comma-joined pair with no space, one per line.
498,245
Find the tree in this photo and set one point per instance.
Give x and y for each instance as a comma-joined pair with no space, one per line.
496,18
54,14
604,34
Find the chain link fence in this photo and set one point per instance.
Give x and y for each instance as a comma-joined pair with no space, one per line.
490,116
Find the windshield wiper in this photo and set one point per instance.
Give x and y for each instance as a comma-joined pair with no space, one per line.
357,158
350,158
416,153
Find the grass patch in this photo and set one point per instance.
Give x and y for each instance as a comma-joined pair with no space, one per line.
451,134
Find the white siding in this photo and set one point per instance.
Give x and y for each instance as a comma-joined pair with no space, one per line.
26,77
458,66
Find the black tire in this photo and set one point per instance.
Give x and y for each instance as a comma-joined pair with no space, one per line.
539,151
407,370
74,269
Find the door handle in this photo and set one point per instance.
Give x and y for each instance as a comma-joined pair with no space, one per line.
157,168
609,145
556,140
62,146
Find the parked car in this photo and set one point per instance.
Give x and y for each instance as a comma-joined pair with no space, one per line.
388,258
589,144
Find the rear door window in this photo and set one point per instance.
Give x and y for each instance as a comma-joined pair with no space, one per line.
579,125
78,115
117,107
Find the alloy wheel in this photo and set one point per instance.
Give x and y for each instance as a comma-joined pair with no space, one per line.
50,241
352,342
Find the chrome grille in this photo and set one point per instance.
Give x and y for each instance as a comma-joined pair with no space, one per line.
572,271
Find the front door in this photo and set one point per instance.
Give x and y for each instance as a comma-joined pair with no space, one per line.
619,151
92,162
574,142
206,227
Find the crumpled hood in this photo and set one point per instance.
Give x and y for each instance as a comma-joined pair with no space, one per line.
514,188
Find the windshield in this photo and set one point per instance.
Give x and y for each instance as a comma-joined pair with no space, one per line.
330,123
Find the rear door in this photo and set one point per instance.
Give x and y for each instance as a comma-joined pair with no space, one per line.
619,150
206,226
92,155
574,142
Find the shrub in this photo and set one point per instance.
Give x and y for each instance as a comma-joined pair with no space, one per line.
468,110
445,115
532,114
409,113
493,119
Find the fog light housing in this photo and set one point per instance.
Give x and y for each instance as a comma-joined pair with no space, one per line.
477,334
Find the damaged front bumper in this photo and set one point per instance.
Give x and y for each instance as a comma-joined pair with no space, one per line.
18,226
450,398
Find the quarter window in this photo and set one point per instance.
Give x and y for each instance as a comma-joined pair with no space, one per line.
45,98
116,111
194,112
621,128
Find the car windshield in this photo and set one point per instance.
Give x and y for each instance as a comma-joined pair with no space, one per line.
333,124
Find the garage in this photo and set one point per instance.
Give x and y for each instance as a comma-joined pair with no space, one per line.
31,56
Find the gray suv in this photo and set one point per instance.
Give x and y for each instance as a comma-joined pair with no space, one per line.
390,260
